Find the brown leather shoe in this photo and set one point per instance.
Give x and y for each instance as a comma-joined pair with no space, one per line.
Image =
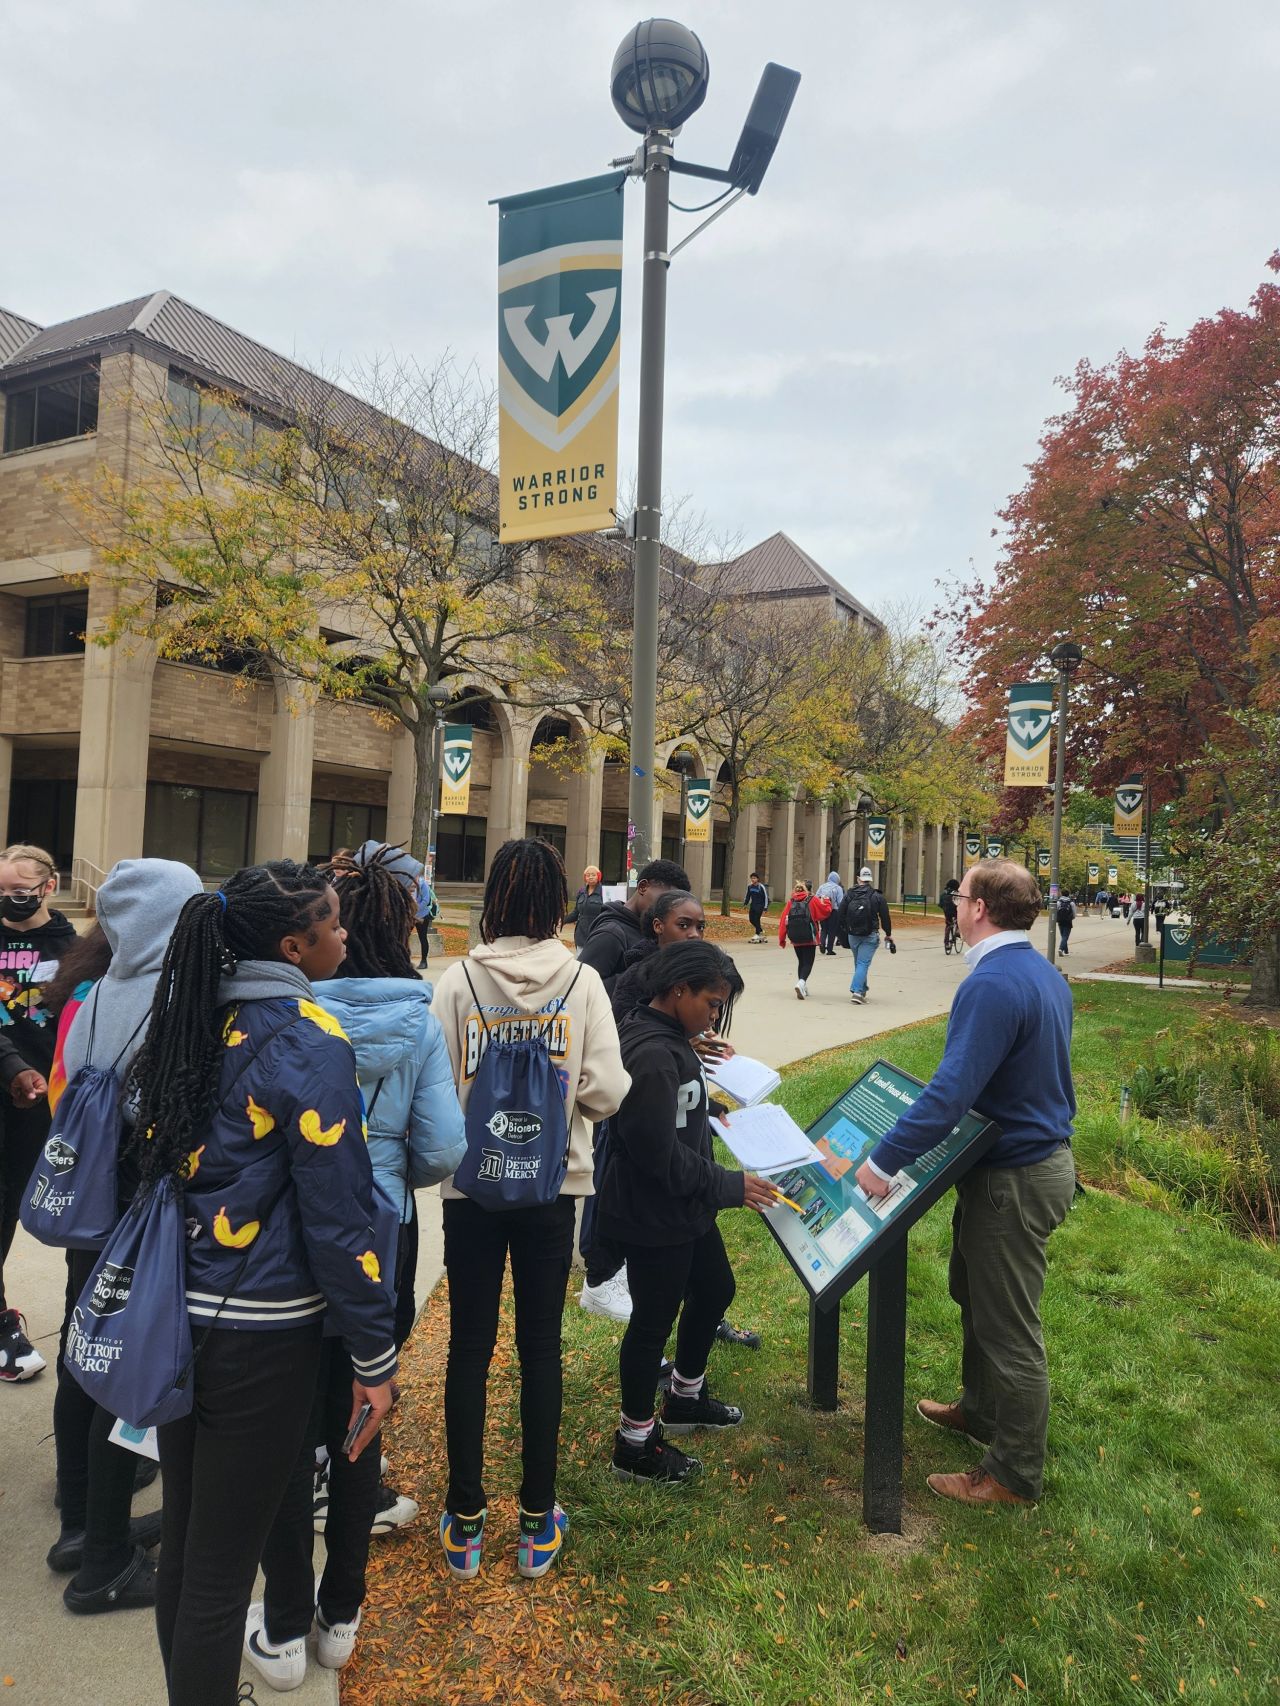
949,1417
975,1487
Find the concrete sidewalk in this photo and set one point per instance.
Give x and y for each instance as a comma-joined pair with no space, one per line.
56,1659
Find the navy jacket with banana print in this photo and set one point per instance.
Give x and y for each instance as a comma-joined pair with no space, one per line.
279,1193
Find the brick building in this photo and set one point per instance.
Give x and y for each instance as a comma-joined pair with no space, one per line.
107,753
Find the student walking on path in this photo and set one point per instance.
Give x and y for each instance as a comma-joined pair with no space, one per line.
415,1139
247,1096
1007,1054
833,893
520,985
864,912
799,926
756,901
1065,917
660,1195
32,940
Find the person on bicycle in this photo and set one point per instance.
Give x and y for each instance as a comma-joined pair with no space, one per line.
948,900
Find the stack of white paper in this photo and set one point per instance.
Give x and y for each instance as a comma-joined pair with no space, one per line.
766,1139
747,1081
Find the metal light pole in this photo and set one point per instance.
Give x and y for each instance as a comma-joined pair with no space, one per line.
1065,658
658,80
647,556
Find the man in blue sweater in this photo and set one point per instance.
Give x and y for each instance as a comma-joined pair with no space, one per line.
1008,1055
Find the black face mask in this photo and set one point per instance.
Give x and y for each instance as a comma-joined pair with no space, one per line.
20,910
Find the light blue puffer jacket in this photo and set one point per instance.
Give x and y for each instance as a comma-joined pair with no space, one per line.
398,1040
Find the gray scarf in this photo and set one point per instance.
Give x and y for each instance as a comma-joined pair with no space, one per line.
265,980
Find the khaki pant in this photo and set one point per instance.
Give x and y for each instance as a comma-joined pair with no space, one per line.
1000,1231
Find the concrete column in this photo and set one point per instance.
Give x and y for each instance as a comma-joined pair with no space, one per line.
744,853
697,862
782,850
582,820
284,782
509,788
914,848
115,728
934,878
400,790
822,853
6,783
893,861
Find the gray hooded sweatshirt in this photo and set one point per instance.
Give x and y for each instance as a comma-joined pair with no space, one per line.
138,906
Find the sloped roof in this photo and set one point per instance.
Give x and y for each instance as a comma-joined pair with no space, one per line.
777,566
15,330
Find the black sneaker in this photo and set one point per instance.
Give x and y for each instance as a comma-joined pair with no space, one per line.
665,1369
683,1415
655,1460
747,1337
19,1359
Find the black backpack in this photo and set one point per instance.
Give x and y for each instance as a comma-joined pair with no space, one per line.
799,922
1065,911
859,912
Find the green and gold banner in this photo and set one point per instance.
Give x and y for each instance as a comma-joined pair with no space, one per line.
559,319
1044,860
697,809
1128,808
877,838
455,784
995,847
1113,873
1093,873
972,851
1026,743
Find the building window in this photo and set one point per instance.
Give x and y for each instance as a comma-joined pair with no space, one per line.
209,419
343,823
210,829
56,625
552,832
54,409
613,855
44,812
460,849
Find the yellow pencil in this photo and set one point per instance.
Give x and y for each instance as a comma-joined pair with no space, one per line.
788,1201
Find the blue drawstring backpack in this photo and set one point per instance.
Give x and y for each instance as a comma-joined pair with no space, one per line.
71,1198
129,1342
517,1129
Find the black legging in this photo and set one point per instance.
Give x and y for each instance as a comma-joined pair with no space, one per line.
423,927
95,1477
805,957
662,1278
225,1469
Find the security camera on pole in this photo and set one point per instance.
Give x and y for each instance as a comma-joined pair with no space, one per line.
659,79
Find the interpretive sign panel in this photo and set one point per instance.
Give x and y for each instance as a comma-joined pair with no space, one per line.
835,1233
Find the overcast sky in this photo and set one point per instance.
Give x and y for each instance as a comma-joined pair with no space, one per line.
966,201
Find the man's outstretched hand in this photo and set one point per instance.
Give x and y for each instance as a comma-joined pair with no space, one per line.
872,1184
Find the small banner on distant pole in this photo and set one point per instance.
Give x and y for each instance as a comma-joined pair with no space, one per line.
1113,873
1026,745
1093,873
995,847
697,809
559,319
455,785
1128,807
877,838
972,850
1044,860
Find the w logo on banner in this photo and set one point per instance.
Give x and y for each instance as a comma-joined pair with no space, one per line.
876,834
877,837
1128,809
1026,747
995,849
698,810
579,354
1129,800
455,786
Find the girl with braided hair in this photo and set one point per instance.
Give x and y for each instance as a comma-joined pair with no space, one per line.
521,981
246,1094
415,1138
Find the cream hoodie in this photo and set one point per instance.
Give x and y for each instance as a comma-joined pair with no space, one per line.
514,978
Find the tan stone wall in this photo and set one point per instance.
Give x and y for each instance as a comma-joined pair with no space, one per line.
13,625
202,770
217,710
357,790
351,734
35,517
41,696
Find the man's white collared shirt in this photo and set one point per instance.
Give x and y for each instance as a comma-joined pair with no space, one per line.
1001,939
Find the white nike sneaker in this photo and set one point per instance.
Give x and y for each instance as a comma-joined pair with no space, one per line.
611,1298
283,1668
335,1642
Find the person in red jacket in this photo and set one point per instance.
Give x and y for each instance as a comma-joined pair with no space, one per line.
800,924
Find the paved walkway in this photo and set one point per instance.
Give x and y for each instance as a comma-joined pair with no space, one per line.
57,1659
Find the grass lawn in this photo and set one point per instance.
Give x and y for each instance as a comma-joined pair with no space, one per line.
1150,1572
1180,971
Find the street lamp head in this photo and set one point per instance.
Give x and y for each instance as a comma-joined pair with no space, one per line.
438,694
1066,656
659,76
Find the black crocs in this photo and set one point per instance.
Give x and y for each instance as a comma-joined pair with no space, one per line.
745,1336
132,1590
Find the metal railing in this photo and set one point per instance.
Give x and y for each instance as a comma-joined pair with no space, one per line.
86,880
